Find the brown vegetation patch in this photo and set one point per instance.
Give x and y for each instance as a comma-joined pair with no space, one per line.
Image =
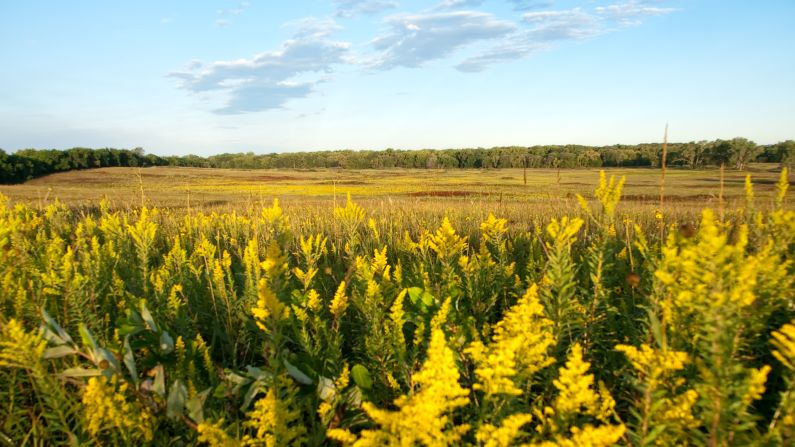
445,194
267,178
656,198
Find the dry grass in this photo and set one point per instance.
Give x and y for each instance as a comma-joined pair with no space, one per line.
432,192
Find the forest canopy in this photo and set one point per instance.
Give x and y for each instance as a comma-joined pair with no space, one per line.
736,153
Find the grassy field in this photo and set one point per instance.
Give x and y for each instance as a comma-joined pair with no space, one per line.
227,189
168,306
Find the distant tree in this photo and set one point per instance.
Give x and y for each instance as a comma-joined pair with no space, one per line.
786,153
694,155
741,152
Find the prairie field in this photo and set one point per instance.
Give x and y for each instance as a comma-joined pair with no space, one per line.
188,306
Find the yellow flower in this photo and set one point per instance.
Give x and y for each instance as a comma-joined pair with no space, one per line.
106,406
784,342
503,436
493,229
756,384
575,385
313,300
654,364
268,308
343,436
214,435
424,417
18,347
352,215
590,436
340,302
445,242
343,379
324,410
563,232
679,410
274,419
518,349
609,193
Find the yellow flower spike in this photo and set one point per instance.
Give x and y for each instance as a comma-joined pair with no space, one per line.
379,262
106,407
440,318
784,343
214,435
563,232
503,436
313,300
609,193
342,381
352,215
340,302
756,384
518,349
445,242
575,386
493,229
424,417
371,224
781,187
275,420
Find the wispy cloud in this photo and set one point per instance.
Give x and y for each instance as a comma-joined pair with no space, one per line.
224,15
527,5
351,8
415,39
546,28
458,4
269,79
631,13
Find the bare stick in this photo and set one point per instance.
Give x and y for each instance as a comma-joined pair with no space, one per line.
720,192
662,183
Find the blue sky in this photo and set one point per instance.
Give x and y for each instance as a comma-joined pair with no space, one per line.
183,77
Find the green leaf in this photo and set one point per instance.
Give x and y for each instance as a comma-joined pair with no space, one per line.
59,351
175,404
159,385
326,389
54,333
105,359
147,316
166,343
81,372
195,406
296,373
129,360
418,295
362,377
88,340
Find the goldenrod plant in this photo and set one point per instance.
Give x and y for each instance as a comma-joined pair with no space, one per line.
375,323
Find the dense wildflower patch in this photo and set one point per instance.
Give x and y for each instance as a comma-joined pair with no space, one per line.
348,327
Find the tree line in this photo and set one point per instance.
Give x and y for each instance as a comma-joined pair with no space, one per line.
736,153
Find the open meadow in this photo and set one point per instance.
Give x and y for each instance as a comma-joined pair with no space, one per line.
183,306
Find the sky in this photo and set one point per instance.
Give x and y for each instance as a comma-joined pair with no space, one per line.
181,77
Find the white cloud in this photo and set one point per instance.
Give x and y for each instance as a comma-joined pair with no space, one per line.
546,28
631,12
415,39
456,4
224,15
351,8
268,80
526,5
